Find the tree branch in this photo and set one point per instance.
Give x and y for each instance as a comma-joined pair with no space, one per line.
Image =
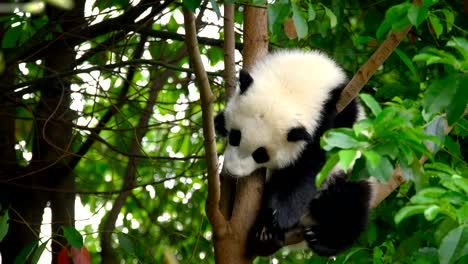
206,97
33,50
228,184
111,111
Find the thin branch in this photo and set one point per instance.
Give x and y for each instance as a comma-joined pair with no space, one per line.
228,184
107,67
175,36
33,50
366,71
206,97
107,252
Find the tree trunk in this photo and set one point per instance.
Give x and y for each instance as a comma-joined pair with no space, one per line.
47,178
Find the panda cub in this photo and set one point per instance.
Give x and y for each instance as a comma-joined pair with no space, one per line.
274,120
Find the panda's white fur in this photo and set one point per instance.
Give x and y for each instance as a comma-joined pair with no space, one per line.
291,93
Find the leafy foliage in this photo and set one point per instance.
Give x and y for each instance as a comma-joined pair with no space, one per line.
162,173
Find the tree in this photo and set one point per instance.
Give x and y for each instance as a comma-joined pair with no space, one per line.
101,101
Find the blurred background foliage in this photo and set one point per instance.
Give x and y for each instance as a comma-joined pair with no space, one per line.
134,148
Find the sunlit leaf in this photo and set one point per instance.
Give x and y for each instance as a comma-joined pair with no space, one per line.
449,19
417,14
371,103
326,169
393,15
347,157
436,25
311,12
408,211
331,16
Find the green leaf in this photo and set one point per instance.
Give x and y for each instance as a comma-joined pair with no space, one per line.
359,171
407,62
311,12
393,15
373,158
436,25
326,169
127,243
192,4
347,157
38,252
433,56
331,16
417,14
4,225
454,245
11,37
452,146
339,138
461,183
462,214
73,237
25,253
440,94
383,171
460,44
299,22
371,103
428,196
449,19
377,256
276,15
408,211
460,100
431,212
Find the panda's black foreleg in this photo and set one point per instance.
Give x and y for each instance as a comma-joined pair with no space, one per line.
284,202
340,212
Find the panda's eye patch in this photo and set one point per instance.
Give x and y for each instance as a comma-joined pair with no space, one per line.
234,137
260,155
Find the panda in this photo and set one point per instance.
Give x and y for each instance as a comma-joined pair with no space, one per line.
274,120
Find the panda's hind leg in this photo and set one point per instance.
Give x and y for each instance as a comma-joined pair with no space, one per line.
340,213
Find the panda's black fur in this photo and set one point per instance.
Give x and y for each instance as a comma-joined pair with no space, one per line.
332,217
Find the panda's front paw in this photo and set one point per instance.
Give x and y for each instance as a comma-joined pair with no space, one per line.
266,238
268,229
319,243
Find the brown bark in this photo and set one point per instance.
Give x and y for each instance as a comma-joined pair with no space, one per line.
230,229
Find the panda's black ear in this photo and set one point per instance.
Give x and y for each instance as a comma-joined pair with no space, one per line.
220,124
245,80
298,133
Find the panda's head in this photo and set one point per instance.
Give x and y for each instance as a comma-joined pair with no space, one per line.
276,110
